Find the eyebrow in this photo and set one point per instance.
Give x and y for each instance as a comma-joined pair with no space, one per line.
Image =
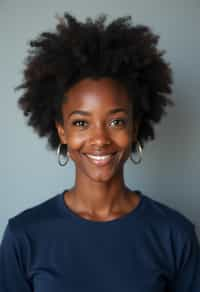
85,113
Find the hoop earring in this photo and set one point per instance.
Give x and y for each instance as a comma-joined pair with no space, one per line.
139,150
59,154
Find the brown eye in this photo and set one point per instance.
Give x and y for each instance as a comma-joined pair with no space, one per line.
80,123
118,123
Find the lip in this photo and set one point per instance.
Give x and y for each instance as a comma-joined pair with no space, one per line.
100,162
100,153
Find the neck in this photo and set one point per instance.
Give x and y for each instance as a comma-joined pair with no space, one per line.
99,197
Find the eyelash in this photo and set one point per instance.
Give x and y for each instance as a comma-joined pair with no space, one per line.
121,122
74,123
79,123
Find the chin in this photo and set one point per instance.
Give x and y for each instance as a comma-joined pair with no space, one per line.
103,177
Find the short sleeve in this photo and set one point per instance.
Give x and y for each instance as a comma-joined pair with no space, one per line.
187,278
12,278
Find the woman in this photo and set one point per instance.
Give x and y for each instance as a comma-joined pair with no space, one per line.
95,91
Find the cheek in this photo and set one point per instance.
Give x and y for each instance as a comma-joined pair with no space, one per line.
74,144
123,139
75,141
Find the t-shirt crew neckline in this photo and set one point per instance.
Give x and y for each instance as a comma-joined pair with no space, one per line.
131,214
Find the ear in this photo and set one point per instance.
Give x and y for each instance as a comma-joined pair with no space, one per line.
61,133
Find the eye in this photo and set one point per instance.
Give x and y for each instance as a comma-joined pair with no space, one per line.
80,123
118,123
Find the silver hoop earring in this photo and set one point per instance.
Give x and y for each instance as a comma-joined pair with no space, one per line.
139,150
59,155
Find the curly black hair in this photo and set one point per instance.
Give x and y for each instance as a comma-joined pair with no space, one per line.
76,50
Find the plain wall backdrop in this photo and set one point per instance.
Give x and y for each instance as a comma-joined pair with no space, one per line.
170,170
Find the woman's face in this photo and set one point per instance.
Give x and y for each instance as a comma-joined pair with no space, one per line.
98,128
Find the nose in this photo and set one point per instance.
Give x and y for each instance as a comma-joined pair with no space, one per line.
100,137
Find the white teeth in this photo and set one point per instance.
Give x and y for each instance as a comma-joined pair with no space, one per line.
98,157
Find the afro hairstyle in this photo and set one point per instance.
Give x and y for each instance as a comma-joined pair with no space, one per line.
76,50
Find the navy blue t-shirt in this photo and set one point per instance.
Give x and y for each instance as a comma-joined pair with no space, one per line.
49,248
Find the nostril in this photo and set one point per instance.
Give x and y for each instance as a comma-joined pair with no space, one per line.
100,136
100,142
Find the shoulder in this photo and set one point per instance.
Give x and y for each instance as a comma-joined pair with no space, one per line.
167,219
35,217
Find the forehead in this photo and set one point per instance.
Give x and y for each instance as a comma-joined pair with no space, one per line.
90,94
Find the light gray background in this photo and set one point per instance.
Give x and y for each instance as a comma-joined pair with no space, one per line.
170,171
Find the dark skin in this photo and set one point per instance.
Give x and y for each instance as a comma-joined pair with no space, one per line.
98,121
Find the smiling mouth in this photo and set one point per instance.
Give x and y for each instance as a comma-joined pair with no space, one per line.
100,160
